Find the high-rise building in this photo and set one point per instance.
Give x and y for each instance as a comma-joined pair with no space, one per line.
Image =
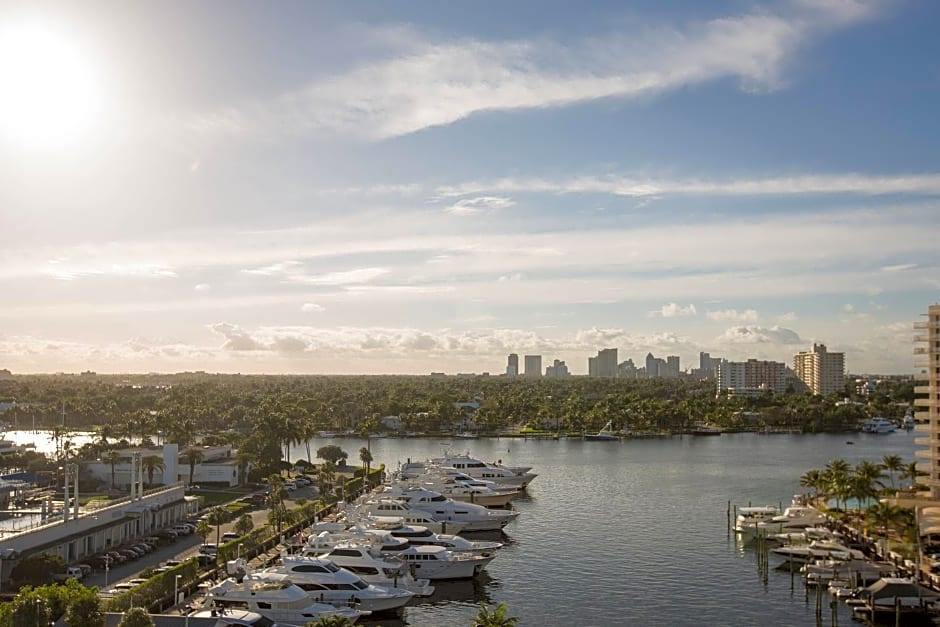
671,371
558,370
604,365
654,366
752,376
627,370
927,334
512,366
533,366
822,372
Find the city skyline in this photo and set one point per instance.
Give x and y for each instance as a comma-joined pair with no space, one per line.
415,188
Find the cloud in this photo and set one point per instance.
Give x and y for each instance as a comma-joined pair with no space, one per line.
65,270
790,316
848,307
292,271
753,334
515,276
202,287
478,205
673,310
236,339
748,315
901,267
311,308
425,84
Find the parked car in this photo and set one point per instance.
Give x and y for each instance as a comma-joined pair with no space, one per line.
172,563
101,562
119,558
229,536
205,560
72,572
183,529
290,486
209,549
167,534
86,569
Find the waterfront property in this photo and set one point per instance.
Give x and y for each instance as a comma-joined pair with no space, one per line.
216,465
927,338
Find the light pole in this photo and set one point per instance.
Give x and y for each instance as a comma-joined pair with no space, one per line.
176,590
240,544
107,569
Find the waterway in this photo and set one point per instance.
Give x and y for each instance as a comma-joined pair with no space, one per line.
636,532
633,532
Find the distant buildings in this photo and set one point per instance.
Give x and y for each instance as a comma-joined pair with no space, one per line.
707,366
927,335
666,368
751,377
822,372
628,370
533,366
604,365
512,366
558,370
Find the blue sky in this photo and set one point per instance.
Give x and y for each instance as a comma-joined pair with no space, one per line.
416,187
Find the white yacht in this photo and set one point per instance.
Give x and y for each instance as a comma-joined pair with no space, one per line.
879,425
474,517
328,583
436,562
478,469
278,601
422,536
817,550
364,557
384,507
793,518
468,490
748,517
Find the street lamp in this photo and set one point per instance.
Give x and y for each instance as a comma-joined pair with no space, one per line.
107,569
176,589
240,544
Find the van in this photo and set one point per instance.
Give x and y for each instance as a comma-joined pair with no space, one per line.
72,572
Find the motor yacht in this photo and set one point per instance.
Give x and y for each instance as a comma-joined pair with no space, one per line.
879,425
417,535
474,517
385,507
364,557
861,571
436,562
748,517
326,582
478,469
793,518
276,600
468,491
817,550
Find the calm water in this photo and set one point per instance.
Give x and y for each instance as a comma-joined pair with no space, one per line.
635,532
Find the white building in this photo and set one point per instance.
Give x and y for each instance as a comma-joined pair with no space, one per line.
217,465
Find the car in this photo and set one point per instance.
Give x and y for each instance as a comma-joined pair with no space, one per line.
116,557
183,529
124,585
86,569
167,534
205,560
161,569
137,582
303,480
172,563
290,486
129,554
228,536
101,562
209,549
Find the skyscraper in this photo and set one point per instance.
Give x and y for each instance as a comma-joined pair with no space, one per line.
822,372
512,366
533,366
927,334
604,365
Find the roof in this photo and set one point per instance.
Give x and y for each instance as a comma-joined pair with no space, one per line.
891,587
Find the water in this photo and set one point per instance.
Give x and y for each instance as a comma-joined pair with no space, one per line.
635,532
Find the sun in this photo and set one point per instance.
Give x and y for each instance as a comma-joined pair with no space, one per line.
49,91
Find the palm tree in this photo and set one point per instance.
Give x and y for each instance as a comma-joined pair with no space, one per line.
112,457
153,463
911,472
815,480
203,529
244,525
885,516
365,456
193,456
870,474
837,478
218,516
496,618
893,464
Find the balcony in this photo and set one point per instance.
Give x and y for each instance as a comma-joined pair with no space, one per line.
922,338
926,389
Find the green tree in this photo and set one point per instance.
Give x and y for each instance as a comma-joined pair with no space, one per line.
332,453
496,618
815,480
112,457
30,610
151,464
365,456
911,472
84,609
192,456
203,529
218,516
37,569
244,525
894,465
136,617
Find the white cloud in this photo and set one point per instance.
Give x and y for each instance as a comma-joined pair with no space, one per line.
748,315
202,287
311,308
673,310
753,334
427,84
292,271
901,267
848,307
790,316
65,270
479,205
515,276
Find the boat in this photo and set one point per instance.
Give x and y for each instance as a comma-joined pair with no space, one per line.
417,535
478,469
436,562
793,519
464,435
606,434
327,434
817,550
895,600
748,517
860,571
276,600
466,489
328,583
366,556
879,425
412,516
706,429
473,517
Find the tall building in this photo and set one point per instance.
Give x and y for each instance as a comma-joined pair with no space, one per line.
604,365
558,370
671,370
627,370
822,372
512,366
533,366
655,366
927,333
751,376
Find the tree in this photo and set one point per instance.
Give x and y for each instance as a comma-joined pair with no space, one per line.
193,456
893,464
332,453
30,609
911,472
365,456
136,617
152,463
218,516
496,618
244,525
332,621
203,529
813,479
84,610
112,457
37,569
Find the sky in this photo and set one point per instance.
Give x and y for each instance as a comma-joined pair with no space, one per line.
393,187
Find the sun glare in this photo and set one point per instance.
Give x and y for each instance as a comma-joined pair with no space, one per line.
49,92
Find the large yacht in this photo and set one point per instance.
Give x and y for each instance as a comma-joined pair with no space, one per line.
436,562
384,507
749,517
328,583
473,517
793,518
817,550
879,425
278,601
468,490
365,556
478,469
417,535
